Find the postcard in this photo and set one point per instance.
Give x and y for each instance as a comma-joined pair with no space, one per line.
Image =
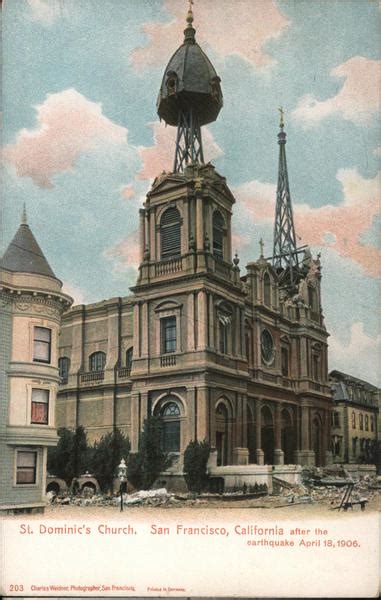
189,299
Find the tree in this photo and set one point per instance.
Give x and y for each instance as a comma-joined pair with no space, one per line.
145,466
59,457
70,457
195,462
106,456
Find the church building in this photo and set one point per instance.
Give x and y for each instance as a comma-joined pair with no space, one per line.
236,357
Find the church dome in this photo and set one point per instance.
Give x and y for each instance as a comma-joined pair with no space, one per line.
189,82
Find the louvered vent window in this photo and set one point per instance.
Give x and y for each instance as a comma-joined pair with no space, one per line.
218,235
170,233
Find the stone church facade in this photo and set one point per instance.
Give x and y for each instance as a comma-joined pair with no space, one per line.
238,358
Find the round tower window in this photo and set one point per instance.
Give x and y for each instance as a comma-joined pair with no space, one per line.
267,346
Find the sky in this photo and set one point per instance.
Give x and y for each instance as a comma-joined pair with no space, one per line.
82,141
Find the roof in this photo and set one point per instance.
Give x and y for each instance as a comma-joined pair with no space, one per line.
344,377
24,255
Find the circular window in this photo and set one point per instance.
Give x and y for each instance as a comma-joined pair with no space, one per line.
267,346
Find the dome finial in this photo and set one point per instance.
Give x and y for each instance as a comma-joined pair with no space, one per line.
189,32
24,218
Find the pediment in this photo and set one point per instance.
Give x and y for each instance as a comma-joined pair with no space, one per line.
167,182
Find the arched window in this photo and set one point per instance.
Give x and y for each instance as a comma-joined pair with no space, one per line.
267,289
353,420
224,329
285,360
170,233
63,368
171,83
361,421
218,234
366,423
129,358
97,361
170,435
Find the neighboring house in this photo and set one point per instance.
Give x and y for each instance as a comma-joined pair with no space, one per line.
237,359
31,305
354,419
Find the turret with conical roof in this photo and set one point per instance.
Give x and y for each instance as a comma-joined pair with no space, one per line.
190,96
24,255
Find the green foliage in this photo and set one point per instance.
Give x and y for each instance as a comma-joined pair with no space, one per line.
195,461
145,466
70,457
106,456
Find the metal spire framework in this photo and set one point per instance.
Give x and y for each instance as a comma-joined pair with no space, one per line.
285,251
190,97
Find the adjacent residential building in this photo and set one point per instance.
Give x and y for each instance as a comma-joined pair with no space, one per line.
237,358
31,305
354,419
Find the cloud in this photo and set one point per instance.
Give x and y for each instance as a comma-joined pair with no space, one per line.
45,12
128,191
377,151
161,155
75,292
68,125
360,356
358,99
126,253
339,227
243,35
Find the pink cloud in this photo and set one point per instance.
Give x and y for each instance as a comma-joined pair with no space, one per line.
161,155
339,227
360,356
128,192
125,254
358,99
238,28
68,124
76,293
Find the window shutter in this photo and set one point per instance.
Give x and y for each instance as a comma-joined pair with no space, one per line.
170,233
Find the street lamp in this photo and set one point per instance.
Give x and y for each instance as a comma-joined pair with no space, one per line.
122,474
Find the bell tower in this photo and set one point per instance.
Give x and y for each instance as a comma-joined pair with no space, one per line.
185,225
189,301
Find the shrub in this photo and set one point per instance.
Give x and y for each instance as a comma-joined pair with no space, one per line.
195,461
145,466
69,458
106,456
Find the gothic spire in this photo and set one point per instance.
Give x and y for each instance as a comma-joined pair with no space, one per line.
285,251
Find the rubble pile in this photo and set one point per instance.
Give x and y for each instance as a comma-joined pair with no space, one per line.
326,486
158,497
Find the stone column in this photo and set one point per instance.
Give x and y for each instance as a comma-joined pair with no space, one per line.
135,425
185,228
152,234
241,452
303,357
199,224
146,231
136,330
211,322
278,452
306,455
144,315
258,432
142,232
191,322
327,437
202,320
143,408
202,414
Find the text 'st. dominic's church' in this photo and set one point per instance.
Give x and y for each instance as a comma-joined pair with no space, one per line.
238,360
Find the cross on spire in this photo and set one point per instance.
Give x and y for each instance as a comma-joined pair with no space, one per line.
262,245
24,218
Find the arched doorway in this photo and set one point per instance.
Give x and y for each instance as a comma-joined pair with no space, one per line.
169,411
288,437
267,435
251,437
317,440
222,434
